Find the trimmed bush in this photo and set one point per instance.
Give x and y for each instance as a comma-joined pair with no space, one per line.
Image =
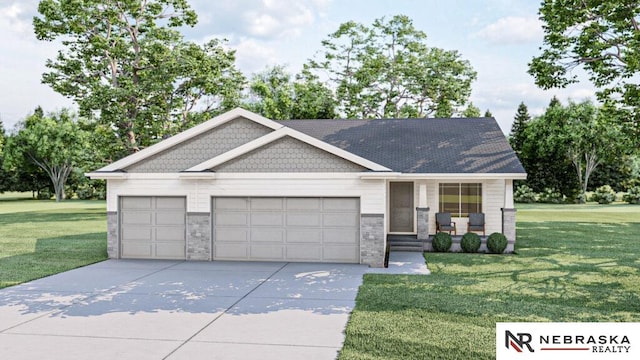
524,194
604,195
632,196
442,242
550,196
496,243
470,242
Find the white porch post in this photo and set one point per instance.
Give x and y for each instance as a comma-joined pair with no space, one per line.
422,213
509,216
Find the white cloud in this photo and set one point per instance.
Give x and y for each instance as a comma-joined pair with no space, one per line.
513,30
13,19
264,19
253,56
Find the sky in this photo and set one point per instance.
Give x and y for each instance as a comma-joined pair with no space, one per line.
498,37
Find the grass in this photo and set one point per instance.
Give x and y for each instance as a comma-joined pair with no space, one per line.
573,263
41,238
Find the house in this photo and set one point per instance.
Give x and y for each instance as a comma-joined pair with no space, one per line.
243,187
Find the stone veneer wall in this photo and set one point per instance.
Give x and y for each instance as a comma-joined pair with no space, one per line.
509,228
372,247
113,248
198,236
423,223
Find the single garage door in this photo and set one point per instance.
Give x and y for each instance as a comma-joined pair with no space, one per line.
286,229
152,227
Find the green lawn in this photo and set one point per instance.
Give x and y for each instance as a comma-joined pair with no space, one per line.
41,238
573,263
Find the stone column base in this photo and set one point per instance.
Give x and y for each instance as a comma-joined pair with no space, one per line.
509,228
372,240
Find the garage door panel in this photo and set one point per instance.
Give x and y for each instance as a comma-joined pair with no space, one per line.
170,203
289,229
303,220
304,204
137,218
231,235
340,253
170,218
340,204
137,234
343,220
169,250
231,204
266,219
134,202
231,219
338,236
304,236
136,250
268,235
175,234
267,252
231,252
304,252
267,204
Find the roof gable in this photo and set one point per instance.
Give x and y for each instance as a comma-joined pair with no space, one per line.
224,138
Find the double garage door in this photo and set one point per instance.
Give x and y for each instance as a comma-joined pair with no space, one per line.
246,228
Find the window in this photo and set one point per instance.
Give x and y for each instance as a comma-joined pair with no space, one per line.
460,199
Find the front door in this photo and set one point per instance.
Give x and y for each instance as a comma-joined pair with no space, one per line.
401,207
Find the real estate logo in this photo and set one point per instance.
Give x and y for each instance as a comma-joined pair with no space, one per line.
568,341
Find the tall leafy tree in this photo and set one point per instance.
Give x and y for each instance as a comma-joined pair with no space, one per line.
520,122
488,113
124,62
274,94
387,70
603,38
471,111
53,143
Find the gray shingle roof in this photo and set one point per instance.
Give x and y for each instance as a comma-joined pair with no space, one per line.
457,145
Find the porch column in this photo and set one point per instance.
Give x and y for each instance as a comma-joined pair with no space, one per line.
509,216
422,214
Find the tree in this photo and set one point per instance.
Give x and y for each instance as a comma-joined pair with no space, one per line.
603,38
518,128
387,70
125,63
272,92
313,99
53,143
275,95
577,136
488,114
471,111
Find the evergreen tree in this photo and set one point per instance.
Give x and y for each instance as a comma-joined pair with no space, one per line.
488,114
522,118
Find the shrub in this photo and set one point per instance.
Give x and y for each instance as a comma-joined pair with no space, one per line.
550,196
44,194
524,194
633,195
496,243
85,192
470,242
604,195
442,242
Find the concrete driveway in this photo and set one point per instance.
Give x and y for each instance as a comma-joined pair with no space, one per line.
136,309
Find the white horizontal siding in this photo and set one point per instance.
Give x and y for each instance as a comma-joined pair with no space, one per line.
199,192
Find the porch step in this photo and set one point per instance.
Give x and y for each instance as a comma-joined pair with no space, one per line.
409,248
405,243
